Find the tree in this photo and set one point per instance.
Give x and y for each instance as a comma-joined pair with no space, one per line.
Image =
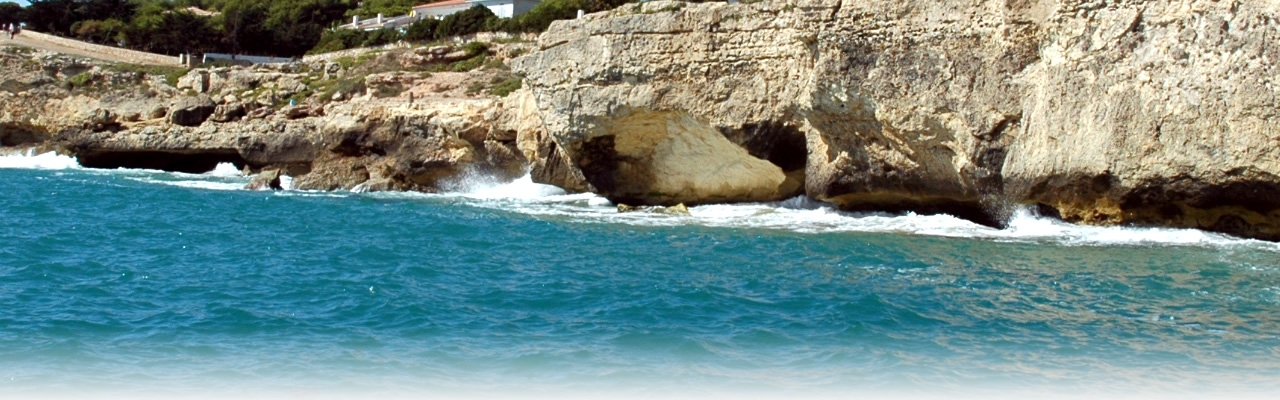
11,13
51,16
241,21
423,30
111,31
57,16
548,11
296,26
390,8
466,22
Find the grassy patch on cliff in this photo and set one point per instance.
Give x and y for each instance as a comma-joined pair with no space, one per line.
171,74
504,88
349,87
498,85
80,80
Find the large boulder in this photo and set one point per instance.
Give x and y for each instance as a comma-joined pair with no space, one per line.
265,180
191,111
197,80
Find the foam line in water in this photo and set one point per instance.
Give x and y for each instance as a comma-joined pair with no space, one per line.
30,160
800,214
806,215
182,181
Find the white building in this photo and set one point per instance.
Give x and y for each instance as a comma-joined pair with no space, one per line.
501,8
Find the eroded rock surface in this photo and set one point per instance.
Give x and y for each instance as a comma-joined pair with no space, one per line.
240,115
1105,112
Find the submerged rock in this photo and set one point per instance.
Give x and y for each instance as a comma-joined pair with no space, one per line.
265,180
678,209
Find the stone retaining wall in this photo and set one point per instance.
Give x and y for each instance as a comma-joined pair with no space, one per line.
133,55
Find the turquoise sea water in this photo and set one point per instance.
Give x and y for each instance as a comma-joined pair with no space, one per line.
152,284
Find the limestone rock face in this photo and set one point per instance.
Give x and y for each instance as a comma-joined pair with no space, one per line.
547,163
1171,117
237,116
1108,112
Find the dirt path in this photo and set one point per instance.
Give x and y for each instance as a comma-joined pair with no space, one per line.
41,41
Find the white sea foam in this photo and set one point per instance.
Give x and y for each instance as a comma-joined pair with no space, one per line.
226,170
286,182
799,214
30,160
803,214
178,180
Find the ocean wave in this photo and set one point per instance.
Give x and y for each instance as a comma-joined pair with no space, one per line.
225,170
806,215
30,160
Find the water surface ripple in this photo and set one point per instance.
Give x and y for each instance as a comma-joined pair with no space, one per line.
113,283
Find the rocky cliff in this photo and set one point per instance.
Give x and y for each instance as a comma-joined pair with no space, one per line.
1103,112
1100,111
331,126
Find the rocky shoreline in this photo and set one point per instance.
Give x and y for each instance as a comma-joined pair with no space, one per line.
331,126
1101,112
1160,113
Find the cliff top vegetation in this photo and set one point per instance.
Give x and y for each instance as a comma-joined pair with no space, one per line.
286,28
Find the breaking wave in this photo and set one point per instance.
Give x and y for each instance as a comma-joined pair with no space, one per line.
806,215
30,160
799,214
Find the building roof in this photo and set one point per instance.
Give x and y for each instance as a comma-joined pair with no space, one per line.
445,3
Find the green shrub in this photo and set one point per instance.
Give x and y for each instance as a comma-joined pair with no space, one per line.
422,31
472,20
475,87
496,63
337,39
381,37
171,74
389,91
541,16
301,97
468,64
174,75
346,62
476,48
504,88
348,87
342,39
80,80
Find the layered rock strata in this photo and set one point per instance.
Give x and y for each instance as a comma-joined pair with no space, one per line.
1103,112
